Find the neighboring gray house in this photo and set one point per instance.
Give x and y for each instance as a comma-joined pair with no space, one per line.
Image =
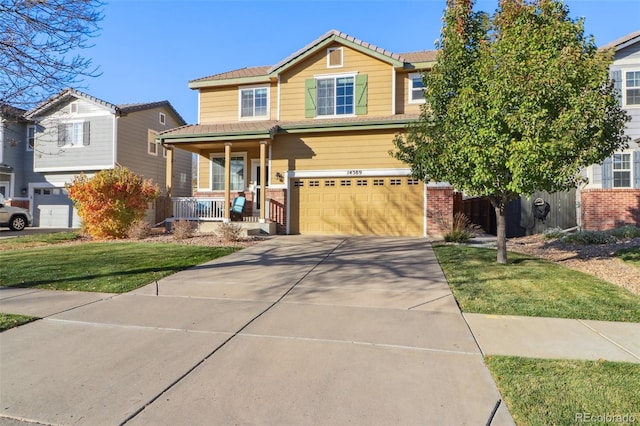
75,132
15,154
612,196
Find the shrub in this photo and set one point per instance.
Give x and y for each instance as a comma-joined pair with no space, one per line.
461,229
628,231
183,229
110,201
589,237
139,230
553,233
229,232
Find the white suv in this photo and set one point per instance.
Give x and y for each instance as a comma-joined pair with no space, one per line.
16,218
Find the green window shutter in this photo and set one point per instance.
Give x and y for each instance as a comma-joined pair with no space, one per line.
361,94
61,134
310,98
85,133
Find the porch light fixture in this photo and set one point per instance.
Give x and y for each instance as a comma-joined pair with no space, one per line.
279,176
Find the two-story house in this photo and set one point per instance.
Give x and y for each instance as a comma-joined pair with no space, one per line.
307,141
73,133
612,196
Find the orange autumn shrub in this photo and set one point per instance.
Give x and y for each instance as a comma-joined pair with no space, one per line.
110,201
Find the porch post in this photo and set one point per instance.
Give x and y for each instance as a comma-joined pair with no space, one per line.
263,181
169,171
227,182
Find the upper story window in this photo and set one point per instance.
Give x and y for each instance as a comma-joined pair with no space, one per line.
162,118
416,88
73,107
621,170
31,137
254,102
334,57
632,88
152,146
336,95
74,134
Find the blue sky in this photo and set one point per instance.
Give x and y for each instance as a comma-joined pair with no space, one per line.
148,50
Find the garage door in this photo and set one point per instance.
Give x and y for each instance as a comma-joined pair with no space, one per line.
53,209
357,206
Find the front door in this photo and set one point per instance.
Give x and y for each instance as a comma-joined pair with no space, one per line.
256,184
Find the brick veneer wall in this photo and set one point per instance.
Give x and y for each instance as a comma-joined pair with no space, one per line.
603,209
18,203
439,210
277,210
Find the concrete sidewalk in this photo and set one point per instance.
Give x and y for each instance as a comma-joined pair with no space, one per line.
293,330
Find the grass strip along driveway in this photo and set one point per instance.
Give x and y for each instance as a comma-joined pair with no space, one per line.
530,286
547,391
110,267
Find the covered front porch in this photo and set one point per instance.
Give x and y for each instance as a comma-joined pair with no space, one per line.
231,163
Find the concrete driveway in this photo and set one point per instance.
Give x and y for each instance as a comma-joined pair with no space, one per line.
295,330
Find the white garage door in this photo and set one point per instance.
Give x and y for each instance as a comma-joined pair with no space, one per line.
53,209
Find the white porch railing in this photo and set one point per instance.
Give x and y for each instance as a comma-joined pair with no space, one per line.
190,208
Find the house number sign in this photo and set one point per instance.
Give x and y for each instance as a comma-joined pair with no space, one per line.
354,172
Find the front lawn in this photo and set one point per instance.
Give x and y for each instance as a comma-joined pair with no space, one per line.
563,392
531,287
111,267
8,321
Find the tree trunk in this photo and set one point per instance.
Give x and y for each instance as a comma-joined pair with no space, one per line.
501,227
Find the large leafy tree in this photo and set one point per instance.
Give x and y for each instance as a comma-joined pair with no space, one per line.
40,41
518,101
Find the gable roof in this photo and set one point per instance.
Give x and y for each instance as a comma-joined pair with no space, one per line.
120,110
623,42
265,73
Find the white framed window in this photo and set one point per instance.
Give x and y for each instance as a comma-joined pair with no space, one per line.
164,152
74,134
632,88
162,118
73,107
335,57
31,137
416,89
621,170
152,146
254,102
238,171
335,95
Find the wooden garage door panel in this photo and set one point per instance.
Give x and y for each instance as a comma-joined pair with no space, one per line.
371,206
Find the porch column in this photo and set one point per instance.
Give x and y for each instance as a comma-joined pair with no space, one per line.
263,181
169,171
227,182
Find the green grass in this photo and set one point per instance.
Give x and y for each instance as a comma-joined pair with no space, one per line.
531,287
8,321
557,392
37,240
111,267
630,255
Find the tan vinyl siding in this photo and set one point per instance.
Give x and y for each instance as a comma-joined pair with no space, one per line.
133,134
345,150
293,81
221,104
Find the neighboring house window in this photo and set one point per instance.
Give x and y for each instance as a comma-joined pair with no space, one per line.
31,137
254,102
238,168
73,107
163,118
330,96
334,57
622,170
73,134
152,146
416,88
164,152
632,90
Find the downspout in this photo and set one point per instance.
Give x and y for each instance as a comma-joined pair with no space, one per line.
393,91
115,140
1,140
277,102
